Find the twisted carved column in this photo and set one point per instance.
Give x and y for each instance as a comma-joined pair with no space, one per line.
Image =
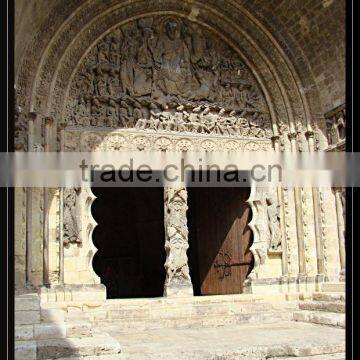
178,281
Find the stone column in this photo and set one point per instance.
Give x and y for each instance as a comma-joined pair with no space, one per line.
299,219
317,218
61,213
340,228
178,281
284,255
46,269
29,232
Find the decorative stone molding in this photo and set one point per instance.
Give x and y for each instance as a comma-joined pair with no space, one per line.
102,139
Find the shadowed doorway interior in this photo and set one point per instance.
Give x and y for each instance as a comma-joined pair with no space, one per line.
219,239
130,241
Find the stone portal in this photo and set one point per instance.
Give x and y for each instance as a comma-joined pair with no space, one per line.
130,241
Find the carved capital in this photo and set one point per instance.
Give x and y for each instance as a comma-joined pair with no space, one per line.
310,134
32,115
61,126
49,120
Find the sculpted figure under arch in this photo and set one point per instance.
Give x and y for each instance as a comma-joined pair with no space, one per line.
166,73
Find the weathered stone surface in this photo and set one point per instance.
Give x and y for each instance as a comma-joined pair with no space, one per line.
329,297
321,318
49,331
336,307
333,287
25,350
27,302
78,329
261,342
339,356
27,317
86,346
190,312
52,315
24,332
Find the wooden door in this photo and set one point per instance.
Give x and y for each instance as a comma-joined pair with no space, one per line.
220,238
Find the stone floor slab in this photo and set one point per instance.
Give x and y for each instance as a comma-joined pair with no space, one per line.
252,342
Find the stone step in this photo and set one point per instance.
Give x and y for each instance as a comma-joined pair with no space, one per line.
45,331
194,322
321,318
98,357
152,314
338,356
181,310
333,287
329,296
329,306
77,347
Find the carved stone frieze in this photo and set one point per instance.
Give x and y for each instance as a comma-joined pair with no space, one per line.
167,74
127,139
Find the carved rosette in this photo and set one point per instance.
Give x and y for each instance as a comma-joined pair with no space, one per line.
178,281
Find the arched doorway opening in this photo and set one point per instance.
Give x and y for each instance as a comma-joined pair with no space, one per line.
130,241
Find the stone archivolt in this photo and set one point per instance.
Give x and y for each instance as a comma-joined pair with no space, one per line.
166,74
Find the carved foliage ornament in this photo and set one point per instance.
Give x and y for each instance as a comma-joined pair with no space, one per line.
167,74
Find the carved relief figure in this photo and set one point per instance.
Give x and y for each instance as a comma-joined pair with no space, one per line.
168,74
71,231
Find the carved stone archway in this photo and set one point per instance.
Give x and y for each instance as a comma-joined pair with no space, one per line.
228,87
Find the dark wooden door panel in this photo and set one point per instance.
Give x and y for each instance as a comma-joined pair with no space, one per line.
222,238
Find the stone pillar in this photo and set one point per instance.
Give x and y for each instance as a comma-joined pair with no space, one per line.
299,219
61,213
317,218
178,281
340,227
46,269
29,224
284,255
